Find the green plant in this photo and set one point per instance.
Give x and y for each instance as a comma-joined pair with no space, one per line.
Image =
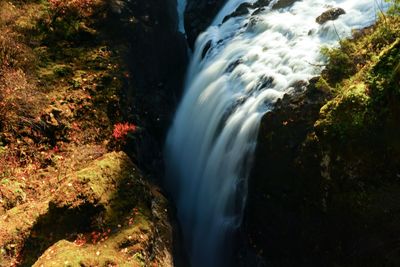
341,61
394,7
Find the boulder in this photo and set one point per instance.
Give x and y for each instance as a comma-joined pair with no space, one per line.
331,14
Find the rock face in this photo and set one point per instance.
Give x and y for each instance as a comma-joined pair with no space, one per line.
198,16
156,57
273,219
325,187
331,14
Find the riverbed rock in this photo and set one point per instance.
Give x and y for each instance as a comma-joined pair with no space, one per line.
331,14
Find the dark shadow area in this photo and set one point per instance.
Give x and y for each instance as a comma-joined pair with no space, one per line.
56,225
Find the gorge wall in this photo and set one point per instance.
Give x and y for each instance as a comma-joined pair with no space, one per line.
157,57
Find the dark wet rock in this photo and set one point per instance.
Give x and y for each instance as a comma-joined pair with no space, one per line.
244,9
276,192
283,4
206,48
265,82
300,85
198,16
331,14
234,64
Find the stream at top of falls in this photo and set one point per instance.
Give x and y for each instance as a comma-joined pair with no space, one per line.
181,5
240,67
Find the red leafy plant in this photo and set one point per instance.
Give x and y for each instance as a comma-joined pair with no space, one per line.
121,130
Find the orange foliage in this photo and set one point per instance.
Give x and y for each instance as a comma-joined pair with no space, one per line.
121,130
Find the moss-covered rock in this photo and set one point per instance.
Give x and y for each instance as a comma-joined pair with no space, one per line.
107,208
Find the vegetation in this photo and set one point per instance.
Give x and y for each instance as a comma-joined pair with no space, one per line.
364,77
57,91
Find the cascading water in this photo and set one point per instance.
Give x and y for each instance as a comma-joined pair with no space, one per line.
240,67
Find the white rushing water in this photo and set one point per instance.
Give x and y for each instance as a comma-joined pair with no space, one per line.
251,61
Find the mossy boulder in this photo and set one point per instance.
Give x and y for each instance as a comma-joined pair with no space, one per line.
107,208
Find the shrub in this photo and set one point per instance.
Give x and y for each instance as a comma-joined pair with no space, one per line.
121,130
66,15
13,52
341,64
17,100
394,8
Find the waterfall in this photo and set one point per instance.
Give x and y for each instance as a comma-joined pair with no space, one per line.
240,67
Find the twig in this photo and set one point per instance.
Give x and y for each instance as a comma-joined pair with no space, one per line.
316,65
382,12
334,27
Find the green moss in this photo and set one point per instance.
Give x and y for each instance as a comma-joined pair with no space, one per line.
65,253
364,71
62,71
340,61
384,75
347,116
